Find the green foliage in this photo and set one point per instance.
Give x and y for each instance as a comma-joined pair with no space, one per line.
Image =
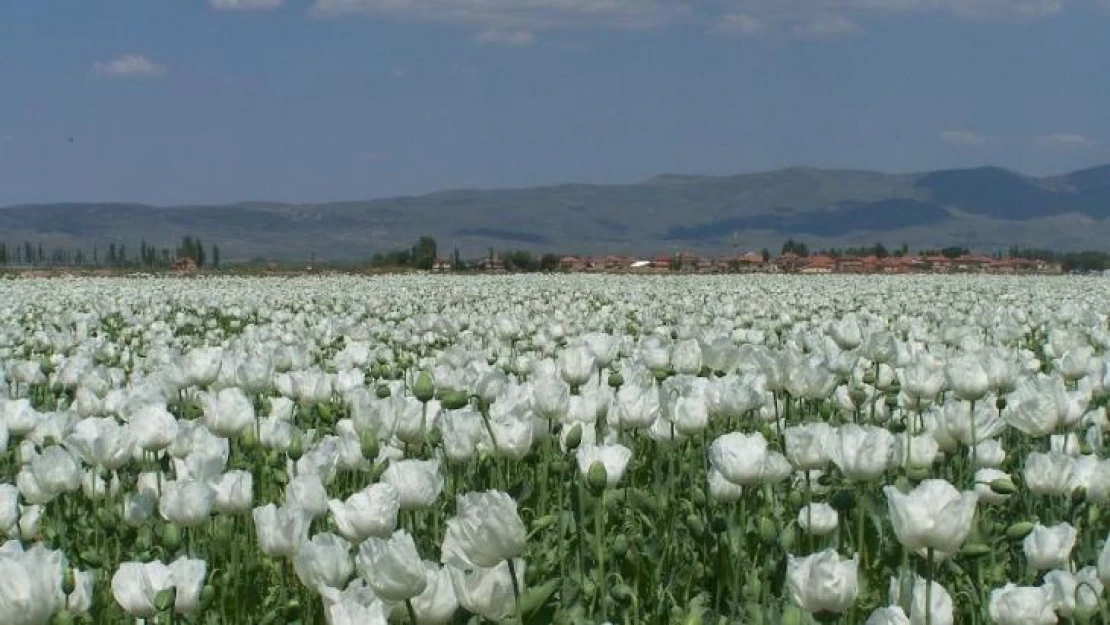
793,247
520,260
424,253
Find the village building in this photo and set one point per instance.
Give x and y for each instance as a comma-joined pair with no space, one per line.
184,265
572,263
491,263
819,264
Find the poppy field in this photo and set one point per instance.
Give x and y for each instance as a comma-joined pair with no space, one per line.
565,449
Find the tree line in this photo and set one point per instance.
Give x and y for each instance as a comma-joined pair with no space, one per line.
877,250
144,256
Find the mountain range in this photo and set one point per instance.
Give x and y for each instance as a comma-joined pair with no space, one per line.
983,208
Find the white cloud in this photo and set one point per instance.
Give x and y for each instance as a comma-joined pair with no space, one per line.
962,137
739,24
834,18
129,66
514,14
1065,140
807,18
245,5
959,8
826,27
508,38
1004,8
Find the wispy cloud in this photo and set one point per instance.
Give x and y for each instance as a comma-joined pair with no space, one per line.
963,138
508,38
826,27
129,66
805,18
245,5
739,24
511,15
1065,140
965,9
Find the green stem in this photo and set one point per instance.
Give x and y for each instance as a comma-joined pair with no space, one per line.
516,590
974,441
599,543
929,586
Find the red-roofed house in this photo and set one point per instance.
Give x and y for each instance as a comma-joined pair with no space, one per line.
572,263
819,264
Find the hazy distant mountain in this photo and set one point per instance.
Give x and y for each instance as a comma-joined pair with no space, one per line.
983,208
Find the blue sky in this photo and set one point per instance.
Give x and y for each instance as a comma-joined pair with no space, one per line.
199,101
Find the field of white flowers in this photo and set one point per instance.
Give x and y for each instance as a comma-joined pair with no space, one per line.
572,449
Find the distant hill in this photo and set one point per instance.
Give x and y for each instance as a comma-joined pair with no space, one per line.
982,208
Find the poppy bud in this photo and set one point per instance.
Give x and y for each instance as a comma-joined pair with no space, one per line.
1003,486
597,478
574,437
248,440
164,600
917,473
767,530
453,400
616,380
794,498
368,440
975,551
106,518
622,592
69,582
697,496
753,588
382,391
295,450
787,539
171,537
1019,530
620,546
857,396
423,389
694,523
